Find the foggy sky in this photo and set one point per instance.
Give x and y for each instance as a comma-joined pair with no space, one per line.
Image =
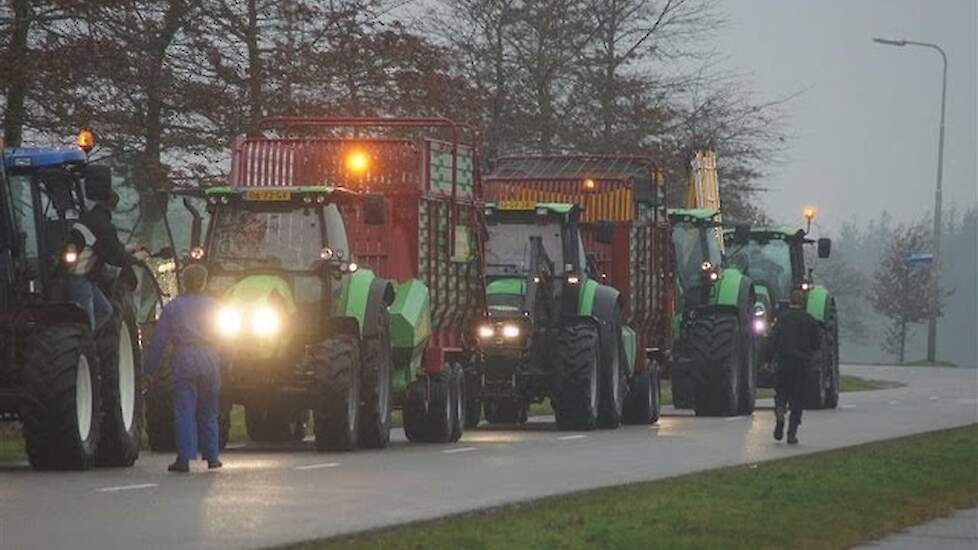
865,129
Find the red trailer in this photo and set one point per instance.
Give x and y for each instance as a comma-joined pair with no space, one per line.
624,194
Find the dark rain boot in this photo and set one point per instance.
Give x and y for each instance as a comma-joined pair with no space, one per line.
179,466
214,464
778,423
792,434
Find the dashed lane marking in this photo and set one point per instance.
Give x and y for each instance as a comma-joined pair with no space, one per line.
933,398
118,488
894,402
460,450
569,437
847,406
317,466
731,418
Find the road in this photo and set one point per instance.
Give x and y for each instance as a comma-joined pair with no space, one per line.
267,496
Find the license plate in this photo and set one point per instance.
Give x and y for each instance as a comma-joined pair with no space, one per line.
268,195
517,205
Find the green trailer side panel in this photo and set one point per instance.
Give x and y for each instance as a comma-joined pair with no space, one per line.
630,339
507,286
410,321
353,299
818,298
727,293
585,300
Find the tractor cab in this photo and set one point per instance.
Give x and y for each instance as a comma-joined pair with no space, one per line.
699,253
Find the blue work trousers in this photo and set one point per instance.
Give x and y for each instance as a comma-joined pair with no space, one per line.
84,292
196,390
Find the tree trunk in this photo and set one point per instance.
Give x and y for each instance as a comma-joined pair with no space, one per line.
255,72
903,341
18,81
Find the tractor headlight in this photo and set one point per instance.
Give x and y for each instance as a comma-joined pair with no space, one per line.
265,321
760,325
326,254
806,286
229,321
486,331
197,253
511,331
573,279
71,254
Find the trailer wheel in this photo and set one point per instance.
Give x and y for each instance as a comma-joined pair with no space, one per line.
457,396
62,398
715,343
473,400
336,363
576,351
375,385
274,423
120,363
428,414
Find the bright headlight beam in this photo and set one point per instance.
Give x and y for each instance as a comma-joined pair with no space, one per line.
511,331
265,321
229,321
486,331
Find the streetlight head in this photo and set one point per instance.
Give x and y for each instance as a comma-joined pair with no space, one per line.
889,42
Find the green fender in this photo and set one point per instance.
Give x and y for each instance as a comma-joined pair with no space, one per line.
727,292
410,324
630,340
815,304
354,296
585,298
507,286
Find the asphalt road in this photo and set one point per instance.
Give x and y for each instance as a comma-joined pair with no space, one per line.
267,495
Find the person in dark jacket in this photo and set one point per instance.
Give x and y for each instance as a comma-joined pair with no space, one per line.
99,244
185,325
795,339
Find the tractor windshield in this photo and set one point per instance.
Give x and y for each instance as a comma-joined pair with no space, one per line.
23,208
694,245
508,248
263,237
768,264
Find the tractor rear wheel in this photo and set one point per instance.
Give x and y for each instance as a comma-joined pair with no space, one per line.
63,398
576,357
715,342
375,385
336,363
429,410
275,423
120,363
473,399
748,378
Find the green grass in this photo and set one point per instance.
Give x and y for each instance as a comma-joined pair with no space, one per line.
832,499
12,446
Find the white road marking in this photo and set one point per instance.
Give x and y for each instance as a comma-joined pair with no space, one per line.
729,418
894,402
569,437
318,466
847,406
125,488
933,398
460,450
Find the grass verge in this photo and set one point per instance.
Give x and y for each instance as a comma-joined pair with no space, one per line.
833,499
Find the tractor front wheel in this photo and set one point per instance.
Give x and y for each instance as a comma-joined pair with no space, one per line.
336,363
63,398
576,355
715,343
120,363
375,385
642,402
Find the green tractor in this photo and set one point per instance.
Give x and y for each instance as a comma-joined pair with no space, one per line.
713,370
552,330
303,326
77,394
774,258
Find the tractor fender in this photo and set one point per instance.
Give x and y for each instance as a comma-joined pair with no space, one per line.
355,297
586,298
730,289
817,301
380,296
606,301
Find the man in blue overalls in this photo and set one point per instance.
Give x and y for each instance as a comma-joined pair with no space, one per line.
185,324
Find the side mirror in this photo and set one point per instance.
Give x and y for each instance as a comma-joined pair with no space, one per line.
195,225
824,248
374,212
741,234
98,182
591,265
604,232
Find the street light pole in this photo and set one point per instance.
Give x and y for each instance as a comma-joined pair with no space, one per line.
938,225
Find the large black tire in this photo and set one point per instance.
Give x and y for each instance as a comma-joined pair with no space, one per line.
832,326
456,382
748,377
576,353
642,402
375,385
612,386
62,398
682,379
120,364
429,420
715,343
502,410
336,362
473,399
275,423
159,411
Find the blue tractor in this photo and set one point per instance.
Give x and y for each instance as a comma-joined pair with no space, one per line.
77,394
